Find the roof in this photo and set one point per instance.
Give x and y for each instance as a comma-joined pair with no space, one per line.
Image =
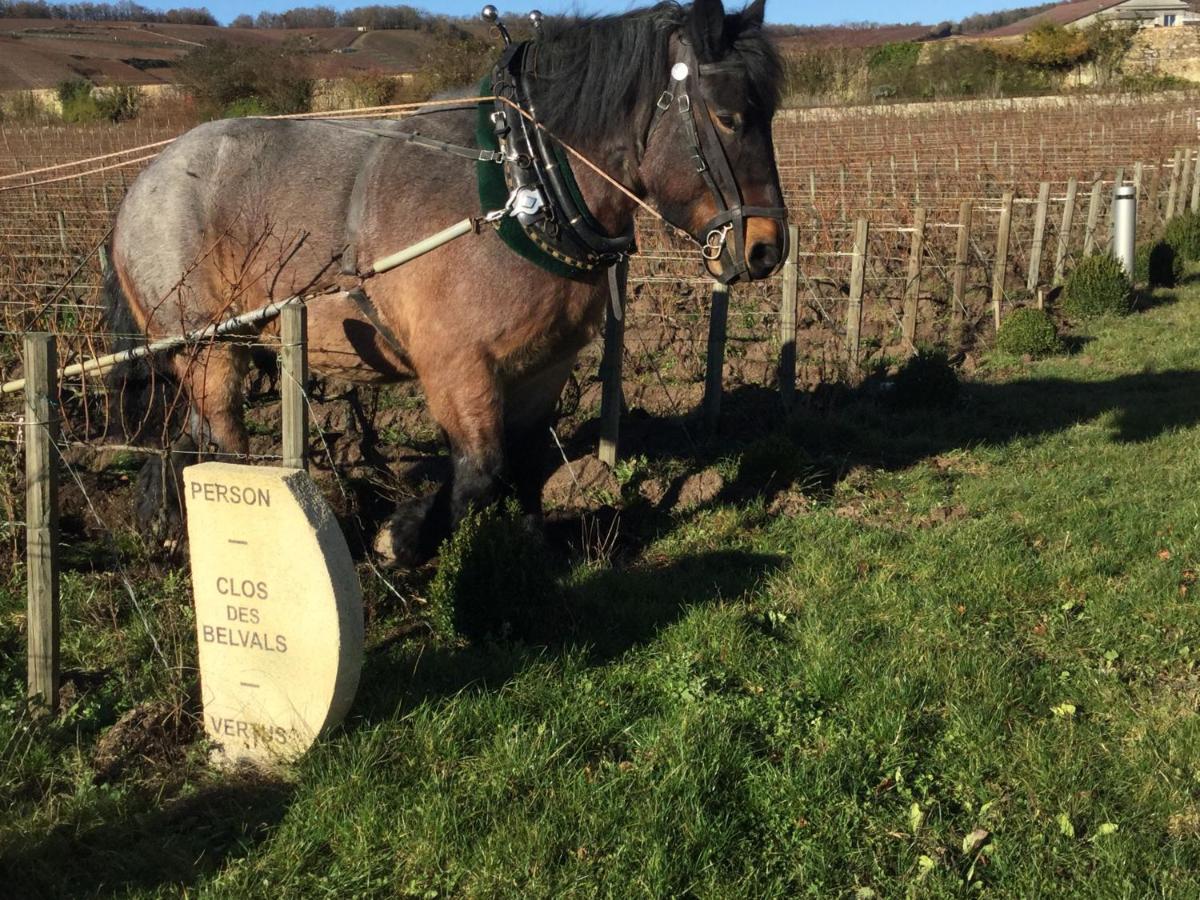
1063,14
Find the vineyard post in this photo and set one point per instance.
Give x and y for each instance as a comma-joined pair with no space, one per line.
1064,230
842,182
1185,186
293,377
41,516
1137,180
62,231
1173,190
787,319
958,291
858,269
1118,181
912,287
1093,216
1153,192
1039,234
715,361
1001,266
812,187
1195,205
610,368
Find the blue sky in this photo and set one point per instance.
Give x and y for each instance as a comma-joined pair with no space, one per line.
791,11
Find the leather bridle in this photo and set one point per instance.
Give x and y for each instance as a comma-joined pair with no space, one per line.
714,168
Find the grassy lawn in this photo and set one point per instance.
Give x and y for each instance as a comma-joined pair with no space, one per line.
930,653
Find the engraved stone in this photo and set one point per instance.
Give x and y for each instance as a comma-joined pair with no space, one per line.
278,609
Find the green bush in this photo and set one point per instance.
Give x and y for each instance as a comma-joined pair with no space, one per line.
221,77
1183,234
1028,331
78,104
245,106
1157,264
494,577
927,379
1097,287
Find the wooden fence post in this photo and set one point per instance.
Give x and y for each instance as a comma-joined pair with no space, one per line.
1153,210
715,359
1000,269
293,383
1093,217
1039,234
958,290
41,516
1173,190
62,232
1185,183
912,286
787,319
1064,230
1137,181
858,268
1195,203
611,368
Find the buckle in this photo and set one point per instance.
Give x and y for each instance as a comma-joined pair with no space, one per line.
664,101
685,103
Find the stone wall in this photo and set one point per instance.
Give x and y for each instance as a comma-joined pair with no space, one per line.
1165,51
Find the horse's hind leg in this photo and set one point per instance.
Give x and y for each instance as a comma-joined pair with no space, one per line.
211,381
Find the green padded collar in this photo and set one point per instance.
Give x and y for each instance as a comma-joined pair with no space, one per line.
493,194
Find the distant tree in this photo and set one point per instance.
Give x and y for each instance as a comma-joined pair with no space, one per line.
242,21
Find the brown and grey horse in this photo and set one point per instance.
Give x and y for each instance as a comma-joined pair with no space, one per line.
240,213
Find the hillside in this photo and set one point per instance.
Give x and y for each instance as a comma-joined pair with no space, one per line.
39,53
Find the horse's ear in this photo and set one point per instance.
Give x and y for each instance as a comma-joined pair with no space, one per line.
707,28
754,13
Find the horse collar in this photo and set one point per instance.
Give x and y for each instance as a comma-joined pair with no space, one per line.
550,209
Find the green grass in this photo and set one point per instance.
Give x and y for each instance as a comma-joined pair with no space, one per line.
965,661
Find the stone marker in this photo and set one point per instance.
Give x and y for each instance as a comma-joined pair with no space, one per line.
278,609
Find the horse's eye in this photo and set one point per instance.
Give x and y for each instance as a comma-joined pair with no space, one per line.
728,121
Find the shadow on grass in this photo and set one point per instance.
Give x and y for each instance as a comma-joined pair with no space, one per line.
172,845
603,616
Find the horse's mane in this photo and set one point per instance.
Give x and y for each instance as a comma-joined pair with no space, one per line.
595,74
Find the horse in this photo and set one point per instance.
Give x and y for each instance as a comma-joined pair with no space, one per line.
673,104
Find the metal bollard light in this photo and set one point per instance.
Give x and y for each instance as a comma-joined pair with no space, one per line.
1124,225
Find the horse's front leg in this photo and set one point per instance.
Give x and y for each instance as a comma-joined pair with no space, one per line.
465,399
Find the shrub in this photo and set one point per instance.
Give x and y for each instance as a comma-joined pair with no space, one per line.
927,379
1183,234
1028,331
494,576
246,106
1097,287
78,104
1157,264
219,75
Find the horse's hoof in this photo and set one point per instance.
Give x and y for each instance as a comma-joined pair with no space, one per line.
399,543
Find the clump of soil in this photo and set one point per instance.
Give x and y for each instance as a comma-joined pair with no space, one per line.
149,736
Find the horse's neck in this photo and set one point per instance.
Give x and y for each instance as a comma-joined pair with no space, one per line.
608,205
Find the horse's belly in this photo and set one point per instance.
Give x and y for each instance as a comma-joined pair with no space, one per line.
342,344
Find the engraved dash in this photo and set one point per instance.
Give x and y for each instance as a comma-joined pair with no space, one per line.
247,684
236,541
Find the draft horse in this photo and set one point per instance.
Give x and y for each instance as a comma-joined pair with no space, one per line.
673,102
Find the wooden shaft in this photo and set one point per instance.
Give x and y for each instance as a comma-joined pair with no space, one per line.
787,318
715,363
1000,270
41,516
104,363
1093,217
293,378
912,286
1064,230
858,268
961,255
1039,234
611,399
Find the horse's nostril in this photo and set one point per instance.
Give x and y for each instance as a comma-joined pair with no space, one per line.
764,257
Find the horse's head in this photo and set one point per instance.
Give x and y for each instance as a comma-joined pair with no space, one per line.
708,159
